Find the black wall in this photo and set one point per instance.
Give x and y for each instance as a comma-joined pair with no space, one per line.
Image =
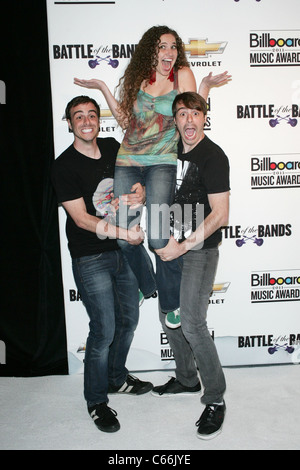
32,324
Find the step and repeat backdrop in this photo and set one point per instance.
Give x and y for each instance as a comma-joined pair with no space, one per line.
254,309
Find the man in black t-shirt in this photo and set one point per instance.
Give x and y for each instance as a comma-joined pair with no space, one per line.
83,180
202,182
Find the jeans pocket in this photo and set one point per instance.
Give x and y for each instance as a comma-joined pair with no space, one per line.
83,260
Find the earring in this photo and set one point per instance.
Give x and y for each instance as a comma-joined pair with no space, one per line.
153,77
171,75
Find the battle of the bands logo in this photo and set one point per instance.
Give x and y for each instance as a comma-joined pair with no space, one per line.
255,235
272,113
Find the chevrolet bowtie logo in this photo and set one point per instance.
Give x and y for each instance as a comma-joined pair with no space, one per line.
198,47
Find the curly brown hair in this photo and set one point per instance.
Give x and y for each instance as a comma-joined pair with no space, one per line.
141,65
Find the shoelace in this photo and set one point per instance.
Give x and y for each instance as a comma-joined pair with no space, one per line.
103,411
165,387
208,414
177,313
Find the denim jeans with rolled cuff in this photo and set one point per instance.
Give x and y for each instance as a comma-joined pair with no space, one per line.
159,181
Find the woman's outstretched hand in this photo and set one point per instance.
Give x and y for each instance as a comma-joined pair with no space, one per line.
216,80
211,81
93,83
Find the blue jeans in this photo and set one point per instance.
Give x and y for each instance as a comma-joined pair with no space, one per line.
168,278
109,292
159,181
192,344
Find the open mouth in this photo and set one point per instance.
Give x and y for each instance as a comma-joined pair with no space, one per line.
190,132
167,64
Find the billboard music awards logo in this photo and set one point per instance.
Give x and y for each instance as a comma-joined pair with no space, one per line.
275,286
275,48
279,171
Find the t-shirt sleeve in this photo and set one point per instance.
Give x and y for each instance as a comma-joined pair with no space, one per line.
216,177
65,183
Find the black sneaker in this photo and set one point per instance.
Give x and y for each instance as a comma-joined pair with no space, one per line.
132,386
152,296
174,387
211,421
104,417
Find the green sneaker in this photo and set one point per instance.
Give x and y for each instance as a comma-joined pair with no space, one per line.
172,319
141,298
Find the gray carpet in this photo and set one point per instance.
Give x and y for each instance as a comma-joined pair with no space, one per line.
49,413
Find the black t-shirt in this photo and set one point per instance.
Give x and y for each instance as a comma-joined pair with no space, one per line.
74,176
206,172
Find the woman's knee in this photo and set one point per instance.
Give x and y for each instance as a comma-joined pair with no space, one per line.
157,243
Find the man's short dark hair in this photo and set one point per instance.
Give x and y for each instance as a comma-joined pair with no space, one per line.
190,100
80,100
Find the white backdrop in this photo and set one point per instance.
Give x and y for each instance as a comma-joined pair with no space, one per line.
254,309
